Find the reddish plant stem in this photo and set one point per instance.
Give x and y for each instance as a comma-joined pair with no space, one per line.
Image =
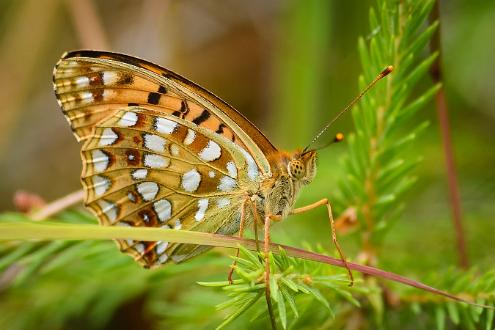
57,206
443,119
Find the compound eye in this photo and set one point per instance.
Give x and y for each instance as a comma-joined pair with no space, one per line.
296,169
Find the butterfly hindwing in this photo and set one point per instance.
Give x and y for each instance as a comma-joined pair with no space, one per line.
145,169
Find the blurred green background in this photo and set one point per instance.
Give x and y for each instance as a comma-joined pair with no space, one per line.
289,66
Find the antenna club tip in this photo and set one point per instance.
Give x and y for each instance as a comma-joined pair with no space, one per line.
339,137
387,70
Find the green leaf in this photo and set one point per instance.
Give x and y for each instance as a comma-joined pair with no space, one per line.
248,303
14,255
453,313
440,317
35,261
385,199
274,291
422,40
219,283
420,70
252,257
289,283
290,299
489,319
318,296
282,312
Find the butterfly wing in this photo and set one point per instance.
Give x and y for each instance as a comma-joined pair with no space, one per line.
159,150
91,85
142,168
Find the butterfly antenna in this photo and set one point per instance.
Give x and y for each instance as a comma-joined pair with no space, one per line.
382,74
339,137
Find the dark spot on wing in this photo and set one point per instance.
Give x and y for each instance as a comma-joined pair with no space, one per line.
132,157
96,79
220,128
162,90
183,111
202,117
154,98
134,197
125,79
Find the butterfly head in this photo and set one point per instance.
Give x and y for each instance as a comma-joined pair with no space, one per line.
302,166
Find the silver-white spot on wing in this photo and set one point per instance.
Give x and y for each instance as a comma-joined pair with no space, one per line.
156,161
86,97
222,202
82,81
210,152
191,180
163,258
108,94
139,174
139,248
100,160
191,135
226,184
100,184
231,169
161,247
110,78
202,207
163,209
251,164
109,209
165,126
108,137
174,150
154,142
148,190
129,119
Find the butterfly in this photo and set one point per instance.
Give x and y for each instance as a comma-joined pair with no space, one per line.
160,151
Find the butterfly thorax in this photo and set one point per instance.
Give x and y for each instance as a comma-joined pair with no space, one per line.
290,172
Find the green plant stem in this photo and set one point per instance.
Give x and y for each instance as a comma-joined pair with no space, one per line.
53,231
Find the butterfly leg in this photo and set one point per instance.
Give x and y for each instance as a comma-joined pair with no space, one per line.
325,202
241,233
257,222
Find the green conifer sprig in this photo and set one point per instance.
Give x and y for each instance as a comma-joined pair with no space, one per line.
443,314
377,168
290,279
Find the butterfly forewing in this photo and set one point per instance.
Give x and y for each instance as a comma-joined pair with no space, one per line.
91,85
